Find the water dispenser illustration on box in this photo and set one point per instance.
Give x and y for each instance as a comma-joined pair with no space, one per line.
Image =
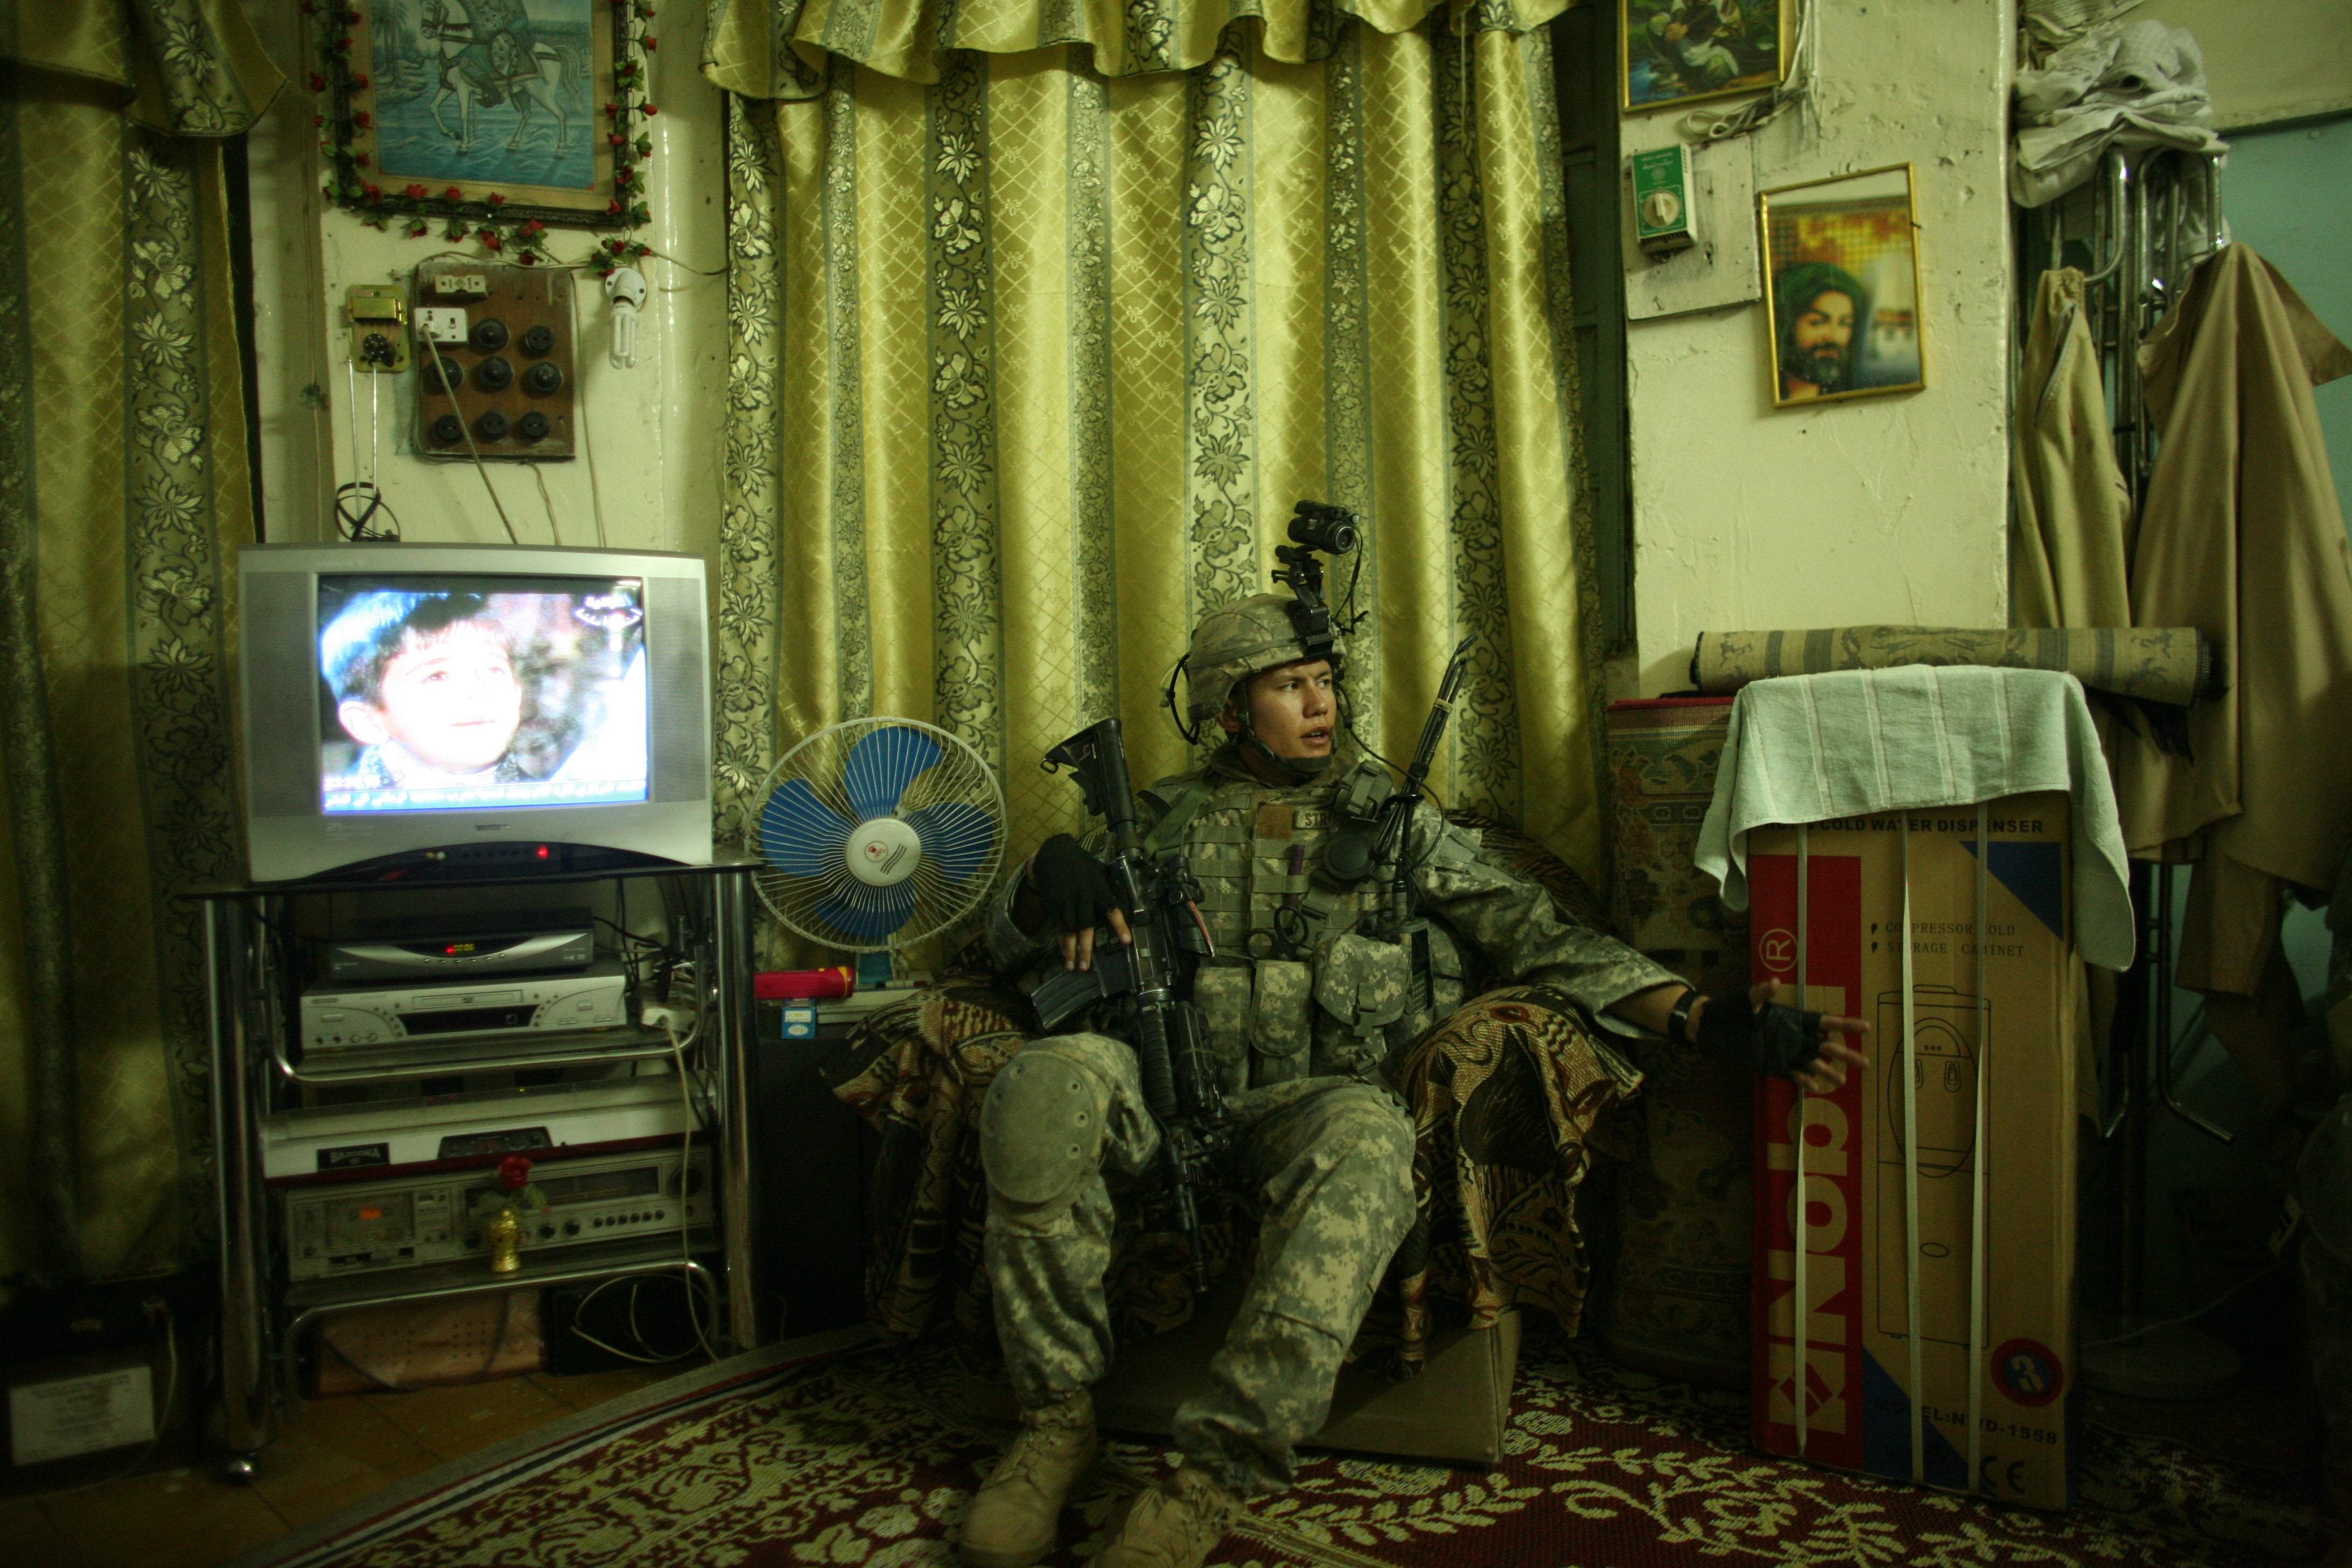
1949,1031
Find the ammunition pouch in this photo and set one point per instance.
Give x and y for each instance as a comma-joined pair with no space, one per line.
1362,986
1282,1023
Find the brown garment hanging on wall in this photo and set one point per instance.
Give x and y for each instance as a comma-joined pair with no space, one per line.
2242,537
2068,551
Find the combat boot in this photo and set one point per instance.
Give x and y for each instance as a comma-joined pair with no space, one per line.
1174,1522
1014,1516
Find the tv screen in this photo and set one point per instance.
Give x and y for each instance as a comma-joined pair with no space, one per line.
462,701
439,693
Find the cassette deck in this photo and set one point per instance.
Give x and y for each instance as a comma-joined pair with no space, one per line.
339,1229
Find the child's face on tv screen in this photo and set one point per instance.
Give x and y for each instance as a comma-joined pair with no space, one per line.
452,702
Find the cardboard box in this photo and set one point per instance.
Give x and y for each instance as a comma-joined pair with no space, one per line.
1994,1112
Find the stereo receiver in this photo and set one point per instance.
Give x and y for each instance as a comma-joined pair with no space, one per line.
361,1227
538,1120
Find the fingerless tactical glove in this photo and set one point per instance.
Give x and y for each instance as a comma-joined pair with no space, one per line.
1774,1039
1070,885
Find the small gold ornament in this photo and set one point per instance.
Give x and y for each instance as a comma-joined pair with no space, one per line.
504,1232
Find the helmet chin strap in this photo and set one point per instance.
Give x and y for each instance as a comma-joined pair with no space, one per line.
1302,770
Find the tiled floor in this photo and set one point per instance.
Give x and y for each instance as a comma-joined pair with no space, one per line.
340,1450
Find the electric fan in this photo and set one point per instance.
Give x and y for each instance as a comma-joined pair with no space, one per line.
878,833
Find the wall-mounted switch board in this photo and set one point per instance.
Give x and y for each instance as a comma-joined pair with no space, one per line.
497,351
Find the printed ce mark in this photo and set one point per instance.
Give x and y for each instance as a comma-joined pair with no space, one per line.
1991,1474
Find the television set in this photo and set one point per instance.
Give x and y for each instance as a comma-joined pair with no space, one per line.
472,705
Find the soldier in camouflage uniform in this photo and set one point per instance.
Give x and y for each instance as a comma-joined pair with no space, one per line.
1308,1017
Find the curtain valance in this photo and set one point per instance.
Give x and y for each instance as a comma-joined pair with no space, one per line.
777,49
185,67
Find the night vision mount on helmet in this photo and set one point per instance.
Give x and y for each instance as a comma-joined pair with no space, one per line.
1266,631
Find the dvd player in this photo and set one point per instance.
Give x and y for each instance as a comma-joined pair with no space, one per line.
421,946
339,1018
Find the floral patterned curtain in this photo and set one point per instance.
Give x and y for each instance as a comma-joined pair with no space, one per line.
1044,314
123,491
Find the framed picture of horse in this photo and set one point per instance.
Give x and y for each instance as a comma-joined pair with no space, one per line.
476,100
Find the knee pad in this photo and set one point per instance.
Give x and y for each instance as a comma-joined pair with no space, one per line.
1041,1128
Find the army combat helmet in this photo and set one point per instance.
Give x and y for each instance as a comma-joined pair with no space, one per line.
1240,640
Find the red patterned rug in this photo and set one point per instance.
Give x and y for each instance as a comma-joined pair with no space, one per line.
867,1458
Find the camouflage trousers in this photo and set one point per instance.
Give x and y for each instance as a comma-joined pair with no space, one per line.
1325,1163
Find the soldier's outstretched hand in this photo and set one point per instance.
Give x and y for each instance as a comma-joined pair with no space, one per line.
1807,1048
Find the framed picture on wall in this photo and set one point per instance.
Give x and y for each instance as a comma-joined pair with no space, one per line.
1680,51
447,105
1841,287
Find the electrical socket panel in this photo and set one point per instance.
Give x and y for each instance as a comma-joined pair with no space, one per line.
442,323
500,376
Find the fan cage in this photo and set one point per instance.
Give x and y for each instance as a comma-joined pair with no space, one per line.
960,775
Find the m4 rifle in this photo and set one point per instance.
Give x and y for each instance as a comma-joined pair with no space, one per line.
1160,899
1397,917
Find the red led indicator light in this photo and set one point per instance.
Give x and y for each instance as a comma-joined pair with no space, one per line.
543,851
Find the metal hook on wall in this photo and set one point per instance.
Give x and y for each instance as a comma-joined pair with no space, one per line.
2111,197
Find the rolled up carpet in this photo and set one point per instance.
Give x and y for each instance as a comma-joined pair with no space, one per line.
2170,665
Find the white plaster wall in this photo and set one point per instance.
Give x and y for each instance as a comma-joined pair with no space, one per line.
1890,509
2267,61
654,430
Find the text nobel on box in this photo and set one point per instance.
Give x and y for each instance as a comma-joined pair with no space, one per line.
2004,1029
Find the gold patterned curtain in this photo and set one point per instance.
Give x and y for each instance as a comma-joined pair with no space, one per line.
124,492
1044,312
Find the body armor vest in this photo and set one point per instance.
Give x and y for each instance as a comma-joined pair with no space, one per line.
1297,990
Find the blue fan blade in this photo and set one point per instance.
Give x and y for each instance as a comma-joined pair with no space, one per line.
799,834
957,837
868,914
882,765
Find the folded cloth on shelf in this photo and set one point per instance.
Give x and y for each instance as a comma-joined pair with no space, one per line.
1815,748
2135,85
2157,664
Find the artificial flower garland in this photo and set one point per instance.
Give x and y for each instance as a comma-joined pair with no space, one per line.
417,208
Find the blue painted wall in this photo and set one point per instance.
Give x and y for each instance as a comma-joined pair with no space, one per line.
2286,193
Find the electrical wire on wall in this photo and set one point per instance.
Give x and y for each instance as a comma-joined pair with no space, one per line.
547,501
1708,125
580,412
360,526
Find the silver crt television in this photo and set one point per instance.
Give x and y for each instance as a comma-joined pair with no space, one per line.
401,699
